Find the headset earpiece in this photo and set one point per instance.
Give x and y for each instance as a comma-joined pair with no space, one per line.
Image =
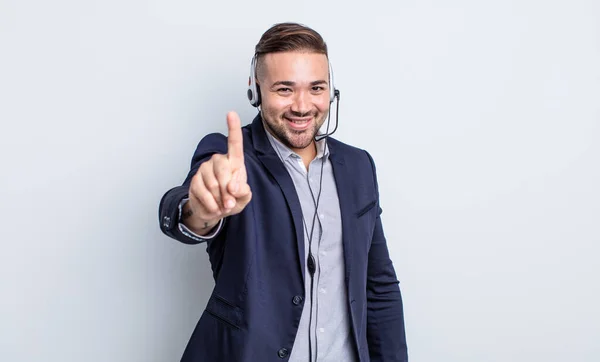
253,88
332,91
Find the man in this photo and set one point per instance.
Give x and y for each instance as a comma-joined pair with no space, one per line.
292,225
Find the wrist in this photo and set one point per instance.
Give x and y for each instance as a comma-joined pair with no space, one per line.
195,223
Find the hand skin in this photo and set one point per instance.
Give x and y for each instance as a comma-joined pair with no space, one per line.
219,188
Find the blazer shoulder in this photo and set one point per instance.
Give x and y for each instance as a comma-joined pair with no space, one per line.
217,143
212,143
351,153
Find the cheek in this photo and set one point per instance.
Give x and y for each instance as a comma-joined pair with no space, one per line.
276,104
322,104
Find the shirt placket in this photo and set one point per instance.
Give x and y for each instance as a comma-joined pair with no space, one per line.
320,291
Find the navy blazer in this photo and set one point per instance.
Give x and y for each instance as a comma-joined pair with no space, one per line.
253,312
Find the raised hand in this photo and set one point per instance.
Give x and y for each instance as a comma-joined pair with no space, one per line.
220,187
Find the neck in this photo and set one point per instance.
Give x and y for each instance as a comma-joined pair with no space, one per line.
308,154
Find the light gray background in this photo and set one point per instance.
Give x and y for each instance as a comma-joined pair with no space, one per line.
483,118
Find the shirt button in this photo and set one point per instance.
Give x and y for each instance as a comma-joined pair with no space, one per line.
297,300
282,353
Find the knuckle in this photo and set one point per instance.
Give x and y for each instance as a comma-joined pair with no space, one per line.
194,193
195,186
205,165
221,168
207,200
218,160
202,197
212,185
195,179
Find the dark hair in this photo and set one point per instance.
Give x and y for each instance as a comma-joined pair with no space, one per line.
286,37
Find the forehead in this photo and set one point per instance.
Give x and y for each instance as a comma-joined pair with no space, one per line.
295,66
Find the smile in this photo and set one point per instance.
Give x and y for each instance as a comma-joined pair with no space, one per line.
299,123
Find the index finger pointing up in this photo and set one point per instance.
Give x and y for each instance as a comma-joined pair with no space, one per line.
235,141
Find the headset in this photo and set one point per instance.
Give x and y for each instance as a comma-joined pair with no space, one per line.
334,94
254,89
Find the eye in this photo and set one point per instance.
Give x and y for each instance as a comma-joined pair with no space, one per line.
318,88
284,90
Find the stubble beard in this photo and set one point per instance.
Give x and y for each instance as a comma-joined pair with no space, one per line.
291,138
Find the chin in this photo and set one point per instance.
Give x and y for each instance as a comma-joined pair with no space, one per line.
300,141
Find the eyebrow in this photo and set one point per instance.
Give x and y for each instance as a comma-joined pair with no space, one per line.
289,83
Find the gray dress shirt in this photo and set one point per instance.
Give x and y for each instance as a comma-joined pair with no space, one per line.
326,321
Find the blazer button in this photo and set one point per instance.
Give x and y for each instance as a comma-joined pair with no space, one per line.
297,300
282,353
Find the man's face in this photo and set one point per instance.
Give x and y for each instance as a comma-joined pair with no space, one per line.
295,95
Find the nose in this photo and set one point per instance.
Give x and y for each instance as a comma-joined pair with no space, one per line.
301,104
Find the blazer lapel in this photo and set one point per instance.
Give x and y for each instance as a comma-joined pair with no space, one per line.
343,176
267,156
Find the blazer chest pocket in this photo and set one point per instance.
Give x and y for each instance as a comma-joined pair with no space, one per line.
365,209
364,225
224,311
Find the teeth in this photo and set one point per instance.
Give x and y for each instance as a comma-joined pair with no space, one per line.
298,122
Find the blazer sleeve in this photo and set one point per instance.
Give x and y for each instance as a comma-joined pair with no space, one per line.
386,336
168,209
